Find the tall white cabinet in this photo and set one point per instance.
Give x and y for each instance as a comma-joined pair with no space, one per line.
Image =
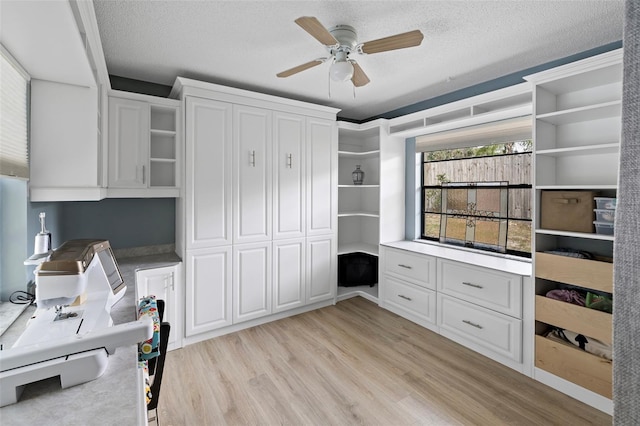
577,117
258,217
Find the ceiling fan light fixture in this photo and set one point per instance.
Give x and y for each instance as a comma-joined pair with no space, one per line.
341,71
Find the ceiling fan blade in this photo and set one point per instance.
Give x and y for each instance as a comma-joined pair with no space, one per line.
311,25
359,78
398,41
299,68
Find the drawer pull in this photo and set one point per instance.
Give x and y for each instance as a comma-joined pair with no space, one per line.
405,297
472,324
472,284
404,266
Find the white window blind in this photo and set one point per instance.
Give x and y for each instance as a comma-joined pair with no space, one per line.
14,122
509,130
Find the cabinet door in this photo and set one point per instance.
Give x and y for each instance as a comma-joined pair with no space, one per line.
322,167
288,176
321,268
208,177
252,174
251,281
288,274
164,283
128,143
208,290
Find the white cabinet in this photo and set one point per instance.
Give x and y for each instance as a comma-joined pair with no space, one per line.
321,176
252,174
289,278
164,283
408,284
144,148
208,178
208,292
259,187
321,268
63,129
289,213
481,308
128,143
252,292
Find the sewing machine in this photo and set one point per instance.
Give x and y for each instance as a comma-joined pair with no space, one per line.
71,333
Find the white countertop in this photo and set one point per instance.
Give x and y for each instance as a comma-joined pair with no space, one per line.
115,398
496,261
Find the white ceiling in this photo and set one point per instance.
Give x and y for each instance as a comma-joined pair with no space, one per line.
246,43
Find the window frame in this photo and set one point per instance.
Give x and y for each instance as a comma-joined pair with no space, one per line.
423,212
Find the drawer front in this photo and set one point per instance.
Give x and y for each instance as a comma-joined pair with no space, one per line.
500,333
406,296
416,268
491,289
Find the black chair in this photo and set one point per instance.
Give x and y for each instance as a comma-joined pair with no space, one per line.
156,365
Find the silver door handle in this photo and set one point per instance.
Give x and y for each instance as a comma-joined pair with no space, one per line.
290,161
143,175
252,158
472,324
472,285
405,297
404,266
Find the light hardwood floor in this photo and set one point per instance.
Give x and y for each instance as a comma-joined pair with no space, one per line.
353,363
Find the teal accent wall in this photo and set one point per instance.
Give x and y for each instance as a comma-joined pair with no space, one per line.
125,222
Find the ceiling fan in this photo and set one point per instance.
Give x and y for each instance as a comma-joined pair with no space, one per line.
341,42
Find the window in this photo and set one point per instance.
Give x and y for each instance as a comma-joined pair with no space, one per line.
479,197
14,97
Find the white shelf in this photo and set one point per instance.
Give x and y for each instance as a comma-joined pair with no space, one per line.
358,248
575,234
576,187
359,155
358,186
606,148
163,132
359,213
587,113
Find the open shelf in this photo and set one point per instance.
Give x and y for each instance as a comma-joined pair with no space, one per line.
358,248
360,213
360,155
575,234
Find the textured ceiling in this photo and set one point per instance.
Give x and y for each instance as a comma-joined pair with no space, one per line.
246,43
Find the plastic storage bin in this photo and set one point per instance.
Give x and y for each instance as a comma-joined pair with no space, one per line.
604,203
603,215
603,228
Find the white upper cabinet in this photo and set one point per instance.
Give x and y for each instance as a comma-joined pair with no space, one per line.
144,146
322,163
128,143
208,177
252,174
288,175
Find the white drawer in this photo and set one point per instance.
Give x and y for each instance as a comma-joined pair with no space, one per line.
499,333
411,298
492,289
416,268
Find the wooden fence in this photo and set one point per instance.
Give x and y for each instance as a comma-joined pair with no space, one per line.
515,169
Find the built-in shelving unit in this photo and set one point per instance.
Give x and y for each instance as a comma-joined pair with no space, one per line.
163,147
576,148
366,214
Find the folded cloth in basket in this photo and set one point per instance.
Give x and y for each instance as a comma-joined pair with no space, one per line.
149,348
